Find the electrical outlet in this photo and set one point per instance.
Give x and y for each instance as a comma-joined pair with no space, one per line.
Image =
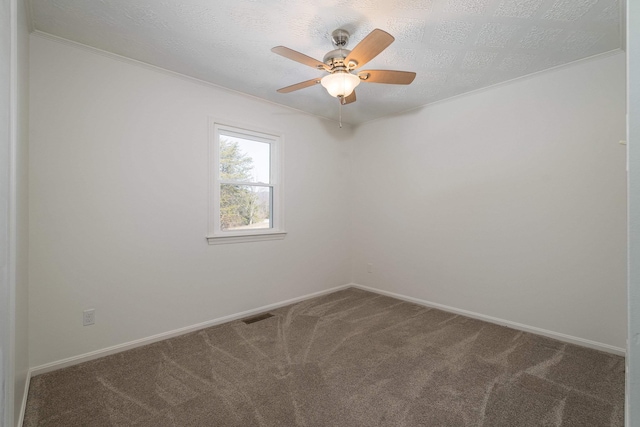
369,267
88,317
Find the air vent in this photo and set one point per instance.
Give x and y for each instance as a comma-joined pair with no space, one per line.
257,318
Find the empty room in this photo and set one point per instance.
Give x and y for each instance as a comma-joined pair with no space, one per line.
332,213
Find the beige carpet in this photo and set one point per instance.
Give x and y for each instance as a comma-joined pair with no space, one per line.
352,358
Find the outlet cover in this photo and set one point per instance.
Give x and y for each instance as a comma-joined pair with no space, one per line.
88,317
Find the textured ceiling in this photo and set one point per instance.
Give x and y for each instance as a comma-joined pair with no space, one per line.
454,46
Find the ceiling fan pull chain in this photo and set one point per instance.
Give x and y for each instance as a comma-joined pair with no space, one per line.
340,109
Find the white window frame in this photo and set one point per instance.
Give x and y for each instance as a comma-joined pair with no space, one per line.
216,235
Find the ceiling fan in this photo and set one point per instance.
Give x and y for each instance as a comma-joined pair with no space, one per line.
340,62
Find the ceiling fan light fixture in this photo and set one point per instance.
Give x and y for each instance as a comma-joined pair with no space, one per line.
340,83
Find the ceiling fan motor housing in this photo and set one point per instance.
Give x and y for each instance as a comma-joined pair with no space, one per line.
335,58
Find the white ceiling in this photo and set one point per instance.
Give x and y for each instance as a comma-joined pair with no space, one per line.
454,46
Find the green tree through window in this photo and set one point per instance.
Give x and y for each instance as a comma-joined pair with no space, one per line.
239,204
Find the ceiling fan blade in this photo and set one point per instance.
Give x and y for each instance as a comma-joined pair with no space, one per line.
369,47
298,57
298,86
387,76
348,99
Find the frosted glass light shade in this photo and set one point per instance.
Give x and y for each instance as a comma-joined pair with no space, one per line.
340,83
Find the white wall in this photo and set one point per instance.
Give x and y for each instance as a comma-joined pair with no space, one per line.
14,75
633,143
21,344
509,202
118,204
7,24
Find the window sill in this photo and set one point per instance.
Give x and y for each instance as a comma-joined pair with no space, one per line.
241,238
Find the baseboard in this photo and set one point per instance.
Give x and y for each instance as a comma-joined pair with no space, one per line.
23,405
74,360
514,325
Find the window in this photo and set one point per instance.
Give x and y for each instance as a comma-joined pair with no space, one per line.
246,185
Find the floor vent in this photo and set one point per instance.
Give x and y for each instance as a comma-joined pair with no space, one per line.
257,318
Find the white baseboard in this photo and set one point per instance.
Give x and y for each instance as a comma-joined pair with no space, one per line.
74,360
514,325
23,405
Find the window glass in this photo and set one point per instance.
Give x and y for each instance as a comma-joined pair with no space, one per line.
244,160
244,207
